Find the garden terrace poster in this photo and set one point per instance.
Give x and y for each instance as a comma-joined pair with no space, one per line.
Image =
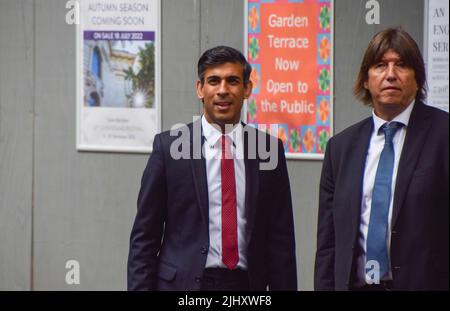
289,44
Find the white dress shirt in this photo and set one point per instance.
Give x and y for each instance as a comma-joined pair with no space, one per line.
212,151
373,156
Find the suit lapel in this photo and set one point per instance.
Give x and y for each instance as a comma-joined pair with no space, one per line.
198,165
251,178
418,126
360,147
251,182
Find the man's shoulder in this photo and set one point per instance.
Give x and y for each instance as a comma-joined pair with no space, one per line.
177,131
437,114
355,129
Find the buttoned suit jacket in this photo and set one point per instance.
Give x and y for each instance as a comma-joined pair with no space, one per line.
420,230
170,237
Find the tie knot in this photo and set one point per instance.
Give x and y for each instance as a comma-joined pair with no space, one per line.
226,150
226,141
390,129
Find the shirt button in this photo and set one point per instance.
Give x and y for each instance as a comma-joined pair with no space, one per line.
204,250
198,279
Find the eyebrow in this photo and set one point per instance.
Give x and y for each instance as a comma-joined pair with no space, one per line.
226,77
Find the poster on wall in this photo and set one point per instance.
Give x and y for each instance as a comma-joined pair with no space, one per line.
118,75
289,44
437,53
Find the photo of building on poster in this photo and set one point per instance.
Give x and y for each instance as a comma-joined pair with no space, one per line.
118,73
118,93
289,45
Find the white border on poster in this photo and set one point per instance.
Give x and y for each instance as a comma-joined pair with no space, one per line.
291,155
79,92
426,54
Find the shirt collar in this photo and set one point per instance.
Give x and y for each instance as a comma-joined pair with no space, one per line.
402,118
212,135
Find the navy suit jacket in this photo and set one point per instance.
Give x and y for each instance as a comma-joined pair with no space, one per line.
170,236
420,232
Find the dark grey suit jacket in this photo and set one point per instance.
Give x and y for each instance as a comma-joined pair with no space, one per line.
170,237
420,229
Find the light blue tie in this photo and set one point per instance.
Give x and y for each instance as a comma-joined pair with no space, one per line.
381,197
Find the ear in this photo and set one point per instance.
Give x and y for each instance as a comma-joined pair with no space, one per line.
366,86
200,94
248,89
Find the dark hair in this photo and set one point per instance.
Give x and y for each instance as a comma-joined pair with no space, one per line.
403,44
219,55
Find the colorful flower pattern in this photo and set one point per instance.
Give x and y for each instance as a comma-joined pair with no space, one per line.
324,17
295,140
253,18
308,140
254,77
253,48
324,80
252,108
324,110
324,49
323,140
282,135
305,138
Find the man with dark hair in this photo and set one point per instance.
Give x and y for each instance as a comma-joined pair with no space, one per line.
384,199
212,218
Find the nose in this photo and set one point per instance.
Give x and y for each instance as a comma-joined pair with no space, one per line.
223,88
391,74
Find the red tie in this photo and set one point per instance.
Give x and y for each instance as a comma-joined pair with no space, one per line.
230,254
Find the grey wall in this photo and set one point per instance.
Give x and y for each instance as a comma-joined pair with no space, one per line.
16,142
58,204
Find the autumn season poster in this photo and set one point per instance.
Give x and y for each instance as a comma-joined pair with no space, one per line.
118,75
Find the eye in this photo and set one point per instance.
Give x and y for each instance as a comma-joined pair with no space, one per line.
213,80
234,81
380,65
401,65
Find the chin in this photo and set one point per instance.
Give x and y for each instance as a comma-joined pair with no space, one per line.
391,102
225,118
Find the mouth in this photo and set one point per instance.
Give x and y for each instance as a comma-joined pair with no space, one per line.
222,105
391,88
